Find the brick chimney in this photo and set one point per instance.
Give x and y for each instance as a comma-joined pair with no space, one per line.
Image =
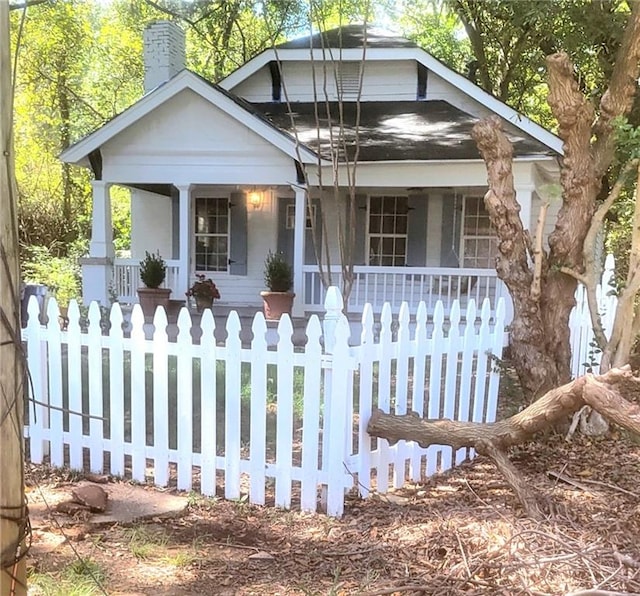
164,53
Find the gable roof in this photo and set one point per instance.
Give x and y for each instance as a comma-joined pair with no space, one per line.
350,36
392,130
232,105
383,45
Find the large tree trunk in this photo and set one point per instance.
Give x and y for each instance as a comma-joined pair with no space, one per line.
543,296
536,368
13,511
603,393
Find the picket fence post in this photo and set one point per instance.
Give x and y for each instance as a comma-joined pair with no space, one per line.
334,383
54,341
138,396
37,361
116,413
311,416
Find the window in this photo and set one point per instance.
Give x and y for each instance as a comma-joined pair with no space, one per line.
479,242
291,217
387,234
212,234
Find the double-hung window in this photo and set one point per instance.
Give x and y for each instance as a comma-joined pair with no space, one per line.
479,241
387,230
212,233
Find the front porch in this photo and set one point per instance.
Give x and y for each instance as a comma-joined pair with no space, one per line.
373,285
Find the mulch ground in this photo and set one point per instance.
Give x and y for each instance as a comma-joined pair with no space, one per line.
459,533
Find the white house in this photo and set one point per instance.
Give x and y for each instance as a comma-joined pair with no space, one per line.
222,173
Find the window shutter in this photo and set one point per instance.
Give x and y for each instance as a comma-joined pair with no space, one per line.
238,234
360,231
451,223
417,230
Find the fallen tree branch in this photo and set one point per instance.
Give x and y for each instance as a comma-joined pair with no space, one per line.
601,392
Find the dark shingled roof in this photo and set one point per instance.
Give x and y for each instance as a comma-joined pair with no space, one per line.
350,36
394,131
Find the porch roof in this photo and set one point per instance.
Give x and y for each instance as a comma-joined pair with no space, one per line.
393,131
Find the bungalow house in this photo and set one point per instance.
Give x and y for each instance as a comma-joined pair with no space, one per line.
356,134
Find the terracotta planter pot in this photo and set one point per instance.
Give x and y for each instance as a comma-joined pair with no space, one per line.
150,298
203,302
276,304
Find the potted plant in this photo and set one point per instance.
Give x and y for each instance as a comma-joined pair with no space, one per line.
278,277
153,270
204,291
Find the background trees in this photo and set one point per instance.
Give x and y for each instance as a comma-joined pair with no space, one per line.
81,64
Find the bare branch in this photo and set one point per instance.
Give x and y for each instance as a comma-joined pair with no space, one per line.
618,98
538,253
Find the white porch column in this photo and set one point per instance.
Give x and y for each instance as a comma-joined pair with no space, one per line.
185,236
298,250
524,197
101,227
97,268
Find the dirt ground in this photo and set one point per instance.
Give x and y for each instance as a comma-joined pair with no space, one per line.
459,533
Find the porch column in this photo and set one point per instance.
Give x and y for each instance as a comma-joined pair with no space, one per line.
523,196
97,268
101,228
185,237
298,250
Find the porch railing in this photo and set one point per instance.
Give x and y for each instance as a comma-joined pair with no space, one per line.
395,285
126,279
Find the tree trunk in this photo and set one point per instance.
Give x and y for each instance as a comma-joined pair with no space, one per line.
603,393
13,512
535,366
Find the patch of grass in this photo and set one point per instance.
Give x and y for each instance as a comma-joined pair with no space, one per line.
180,558
144,542
80,578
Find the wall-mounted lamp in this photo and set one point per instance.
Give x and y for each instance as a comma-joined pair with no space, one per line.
255,198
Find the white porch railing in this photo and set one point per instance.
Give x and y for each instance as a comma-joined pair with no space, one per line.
395,285
126,279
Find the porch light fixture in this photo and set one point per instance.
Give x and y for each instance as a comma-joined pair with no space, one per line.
255,198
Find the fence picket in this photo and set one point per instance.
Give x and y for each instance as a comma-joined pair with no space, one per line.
367,354
116,391
336,438
138,396
208,404
435,381
232,424
258,432
384,394
37,364
160,399
284,439
485,344
311,416
469,350
496,351
185,413
74,381
402,382
424,346
451,378
54,355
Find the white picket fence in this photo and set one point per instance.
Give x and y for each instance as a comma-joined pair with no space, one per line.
284,425
585,355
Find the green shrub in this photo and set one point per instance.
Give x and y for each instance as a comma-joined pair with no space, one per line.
278,275
153,270
60,274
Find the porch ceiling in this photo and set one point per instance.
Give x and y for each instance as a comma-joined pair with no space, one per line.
395,131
